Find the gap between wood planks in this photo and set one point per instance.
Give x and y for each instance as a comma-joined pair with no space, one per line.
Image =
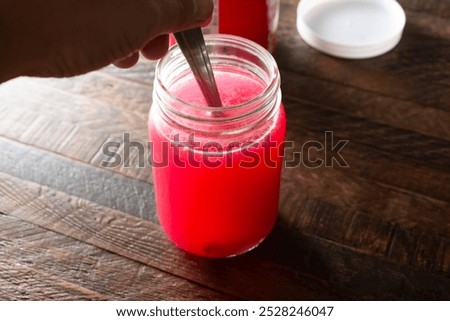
144,242
247,277
58,260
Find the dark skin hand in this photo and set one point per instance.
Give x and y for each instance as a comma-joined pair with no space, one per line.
63,38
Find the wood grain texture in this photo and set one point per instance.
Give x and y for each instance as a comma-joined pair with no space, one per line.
302,249
354,273
389,111
96,273
367,234
398,158
84,116
19,282
76,178
244,277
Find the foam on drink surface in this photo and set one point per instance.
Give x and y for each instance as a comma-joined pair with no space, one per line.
234,88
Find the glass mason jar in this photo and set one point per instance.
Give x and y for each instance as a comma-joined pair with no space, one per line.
256,20
216,170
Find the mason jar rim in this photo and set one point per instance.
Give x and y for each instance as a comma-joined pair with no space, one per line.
223,39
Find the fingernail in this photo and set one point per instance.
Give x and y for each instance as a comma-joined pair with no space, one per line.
203,10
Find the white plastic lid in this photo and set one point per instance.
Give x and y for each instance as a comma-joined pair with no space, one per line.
353,29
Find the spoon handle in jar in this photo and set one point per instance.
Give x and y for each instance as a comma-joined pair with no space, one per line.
192,44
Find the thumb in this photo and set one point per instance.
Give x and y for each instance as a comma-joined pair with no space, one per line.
176,15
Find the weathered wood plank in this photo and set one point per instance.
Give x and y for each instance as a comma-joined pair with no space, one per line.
19,282
133,164
350,194
164,256
245,277
43,97
378,153
382,109
85,111
353,273
392,239
96,184
383,140
68,260
45,113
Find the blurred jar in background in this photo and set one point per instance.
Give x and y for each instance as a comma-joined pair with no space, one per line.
256,20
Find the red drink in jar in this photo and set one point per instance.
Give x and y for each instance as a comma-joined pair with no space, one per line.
256,20
217,170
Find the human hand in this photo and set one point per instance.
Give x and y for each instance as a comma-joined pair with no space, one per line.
62,38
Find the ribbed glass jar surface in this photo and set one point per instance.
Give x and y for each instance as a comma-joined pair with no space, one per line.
216,170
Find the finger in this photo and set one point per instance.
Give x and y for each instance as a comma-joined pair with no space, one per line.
156,48
182,14
86,35
127,62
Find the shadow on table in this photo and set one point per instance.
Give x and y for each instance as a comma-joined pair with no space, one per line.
289,265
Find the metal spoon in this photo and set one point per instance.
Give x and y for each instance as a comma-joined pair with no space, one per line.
193,48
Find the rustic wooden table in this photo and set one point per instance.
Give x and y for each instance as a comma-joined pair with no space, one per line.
379,229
